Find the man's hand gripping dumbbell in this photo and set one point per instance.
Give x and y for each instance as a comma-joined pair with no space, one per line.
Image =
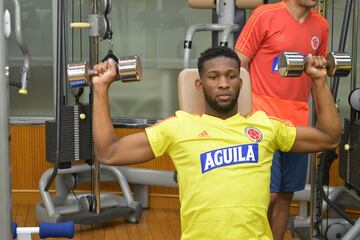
128,69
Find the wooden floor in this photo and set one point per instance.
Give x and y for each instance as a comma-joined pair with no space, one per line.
155,224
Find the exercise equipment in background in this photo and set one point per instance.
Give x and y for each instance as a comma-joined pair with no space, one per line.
25,71
228,20
5,179
69,143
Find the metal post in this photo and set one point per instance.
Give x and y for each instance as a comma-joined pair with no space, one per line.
315,199
315,195
354,43
5,180
226,14
94,58
54,8
342,42
94,38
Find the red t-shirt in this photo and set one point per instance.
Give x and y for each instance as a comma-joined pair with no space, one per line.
269,31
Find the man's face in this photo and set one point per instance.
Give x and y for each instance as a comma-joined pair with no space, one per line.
306,3
221,84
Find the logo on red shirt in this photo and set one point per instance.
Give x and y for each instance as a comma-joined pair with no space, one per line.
315,42
253,134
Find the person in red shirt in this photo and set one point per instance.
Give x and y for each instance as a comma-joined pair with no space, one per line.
290,25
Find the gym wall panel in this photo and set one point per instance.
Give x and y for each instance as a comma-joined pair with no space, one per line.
27,155
335,180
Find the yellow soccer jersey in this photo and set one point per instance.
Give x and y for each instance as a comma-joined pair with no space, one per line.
223,171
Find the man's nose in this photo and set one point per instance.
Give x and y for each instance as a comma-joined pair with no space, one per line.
223,82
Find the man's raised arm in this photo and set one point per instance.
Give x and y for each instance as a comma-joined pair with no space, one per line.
109,149
326,134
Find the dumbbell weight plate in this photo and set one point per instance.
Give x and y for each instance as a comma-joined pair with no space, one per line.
130,68
78,72
338,64
291,64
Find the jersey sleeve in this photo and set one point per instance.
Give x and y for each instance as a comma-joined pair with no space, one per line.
285,134
162,135
252,35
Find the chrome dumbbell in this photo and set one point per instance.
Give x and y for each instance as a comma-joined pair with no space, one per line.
129,69
292,64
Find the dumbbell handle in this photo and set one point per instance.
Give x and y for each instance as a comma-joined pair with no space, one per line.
292,64
129,68
80,71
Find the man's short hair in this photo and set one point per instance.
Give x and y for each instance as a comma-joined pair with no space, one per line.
215,52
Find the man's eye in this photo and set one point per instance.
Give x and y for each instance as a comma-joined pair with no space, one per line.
212,77
232,76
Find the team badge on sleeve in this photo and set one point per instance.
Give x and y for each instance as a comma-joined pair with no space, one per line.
253,134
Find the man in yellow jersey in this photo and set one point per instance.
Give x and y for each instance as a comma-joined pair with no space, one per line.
223,159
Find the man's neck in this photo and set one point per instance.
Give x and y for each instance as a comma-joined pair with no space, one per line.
299,13
222,116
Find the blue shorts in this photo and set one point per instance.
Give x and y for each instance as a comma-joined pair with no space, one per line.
288,172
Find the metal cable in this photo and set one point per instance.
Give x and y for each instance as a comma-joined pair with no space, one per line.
60,99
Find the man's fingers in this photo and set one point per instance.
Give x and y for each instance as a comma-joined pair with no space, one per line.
320,62
110,64
316,61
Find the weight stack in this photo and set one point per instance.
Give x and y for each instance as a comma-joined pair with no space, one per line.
75,135
349,164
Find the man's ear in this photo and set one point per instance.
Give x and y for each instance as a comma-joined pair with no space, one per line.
198,85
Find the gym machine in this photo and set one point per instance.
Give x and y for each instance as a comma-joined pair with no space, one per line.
25,72
69,137
228,19
5,179
9,229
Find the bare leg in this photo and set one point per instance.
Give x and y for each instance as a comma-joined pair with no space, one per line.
279,213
